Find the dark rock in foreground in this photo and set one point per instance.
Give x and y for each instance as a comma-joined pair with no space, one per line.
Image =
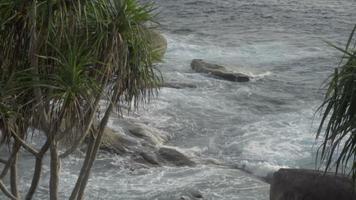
219,71
300,184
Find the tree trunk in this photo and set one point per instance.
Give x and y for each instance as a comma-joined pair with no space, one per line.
11,160
6,192
88,127
13,173
38,170
78,191
55,166
75,191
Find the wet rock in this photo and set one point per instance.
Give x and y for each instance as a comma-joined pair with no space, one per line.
177,85
184,198
175,157
300,184
117,142
148,134
196,194
191,195
219,71
150,158
143,144
133,138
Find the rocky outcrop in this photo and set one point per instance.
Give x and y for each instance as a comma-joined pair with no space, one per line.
219,71
300,184
144,144
158,43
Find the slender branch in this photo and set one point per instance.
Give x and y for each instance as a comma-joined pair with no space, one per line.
25,145
14,174
86,132
10,161
75,191
54,177
37,173
82,181
6,191
2,161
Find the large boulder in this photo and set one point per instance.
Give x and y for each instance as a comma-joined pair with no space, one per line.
158,43
143,132
219,71
117,142
301,184
144,144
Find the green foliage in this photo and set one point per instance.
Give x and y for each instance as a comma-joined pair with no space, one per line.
339,114
59,58
76,49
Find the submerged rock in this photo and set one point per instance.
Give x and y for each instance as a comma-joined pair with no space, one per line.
177,85
301,184
196,194
219,71
150,157
175,157
192,195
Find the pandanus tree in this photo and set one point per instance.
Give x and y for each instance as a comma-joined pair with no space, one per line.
59,61
338,124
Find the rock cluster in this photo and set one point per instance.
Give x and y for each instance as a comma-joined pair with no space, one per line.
144,143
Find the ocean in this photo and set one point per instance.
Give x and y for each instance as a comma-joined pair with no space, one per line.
258,126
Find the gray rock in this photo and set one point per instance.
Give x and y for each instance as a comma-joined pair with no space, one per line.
141,131
117,142
158,43
201,66
143,145
196,194
177,85
300,184
184,198
150,157
173,156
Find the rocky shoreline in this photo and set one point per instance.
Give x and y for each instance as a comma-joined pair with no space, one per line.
148,147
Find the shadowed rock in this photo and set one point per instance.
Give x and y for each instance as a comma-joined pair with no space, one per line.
219,71
174,157
150,157
177,85
300,184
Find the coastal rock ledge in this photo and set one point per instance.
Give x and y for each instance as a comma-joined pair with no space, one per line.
301,184
218,71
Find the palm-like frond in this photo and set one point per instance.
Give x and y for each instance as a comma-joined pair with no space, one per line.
62,58
339,114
